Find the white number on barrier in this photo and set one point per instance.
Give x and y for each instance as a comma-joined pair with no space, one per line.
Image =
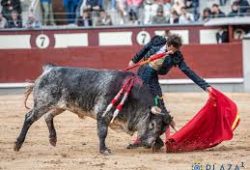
143,37
42,41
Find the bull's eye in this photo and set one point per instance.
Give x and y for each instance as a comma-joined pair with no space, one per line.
151,125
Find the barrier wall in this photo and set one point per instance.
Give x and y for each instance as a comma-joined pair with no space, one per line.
209,61
23,52
246,62
64,37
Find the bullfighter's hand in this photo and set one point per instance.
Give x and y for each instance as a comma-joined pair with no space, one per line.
169,52
131,63
211,96
209,90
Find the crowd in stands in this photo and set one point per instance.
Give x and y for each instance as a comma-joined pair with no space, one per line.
87,13
11,14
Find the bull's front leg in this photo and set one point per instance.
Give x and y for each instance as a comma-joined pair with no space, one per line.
102,127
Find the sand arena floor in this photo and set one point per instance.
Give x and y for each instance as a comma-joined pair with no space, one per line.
77,146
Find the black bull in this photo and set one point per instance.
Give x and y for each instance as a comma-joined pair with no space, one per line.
87,92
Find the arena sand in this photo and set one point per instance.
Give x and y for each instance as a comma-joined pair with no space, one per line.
77,146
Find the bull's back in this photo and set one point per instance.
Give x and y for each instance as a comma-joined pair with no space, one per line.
79,87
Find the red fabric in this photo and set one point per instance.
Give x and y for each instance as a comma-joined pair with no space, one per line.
213,124
134,2
119,107
151,58
114,101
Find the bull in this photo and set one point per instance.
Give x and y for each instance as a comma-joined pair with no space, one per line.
87,92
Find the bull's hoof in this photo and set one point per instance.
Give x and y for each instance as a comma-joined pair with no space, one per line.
157,145
156,148
134,146
53,141
17,146
105,151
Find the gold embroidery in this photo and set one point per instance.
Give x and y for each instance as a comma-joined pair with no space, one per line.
156,64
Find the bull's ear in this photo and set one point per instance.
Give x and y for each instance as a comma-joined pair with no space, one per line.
156,110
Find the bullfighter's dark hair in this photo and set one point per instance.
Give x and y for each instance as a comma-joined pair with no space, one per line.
174,40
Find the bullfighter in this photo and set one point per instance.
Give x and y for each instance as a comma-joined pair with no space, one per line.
170,44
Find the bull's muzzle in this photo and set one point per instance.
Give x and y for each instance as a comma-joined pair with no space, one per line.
157,145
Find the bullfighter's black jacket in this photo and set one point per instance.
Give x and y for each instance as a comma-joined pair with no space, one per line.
173,60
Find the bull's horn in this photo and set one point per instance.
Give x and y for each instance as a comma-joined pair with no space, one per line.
156,110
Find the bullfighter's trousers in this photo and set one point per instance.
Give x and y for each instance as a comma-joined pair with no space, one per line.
150,78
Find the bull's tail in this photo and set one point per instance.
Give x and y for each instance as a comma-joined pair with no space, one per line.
28,91
30,87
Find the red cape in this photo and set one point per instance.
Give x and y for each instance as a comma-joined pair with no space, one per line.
213,124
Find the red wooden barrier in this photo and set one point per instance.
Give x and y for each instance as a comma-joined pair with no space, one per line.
209,61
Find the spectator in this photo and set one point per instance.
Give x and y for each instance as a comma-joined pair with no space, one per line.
244,6
239,34
15,21
32,22
222,36
247,12
195,5
178,4
133,9
113,4
104,19
85,20
9,6
223,2
3,21
91,5
235,10
188,3
47,10
174,18
216,12
165,5
94,6
159,18
167,8
185,17
79,10
148,11
70,8
206,14
121,11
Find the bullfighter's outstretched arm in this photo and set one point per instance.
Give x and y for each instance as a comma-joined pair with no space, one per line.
193,76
